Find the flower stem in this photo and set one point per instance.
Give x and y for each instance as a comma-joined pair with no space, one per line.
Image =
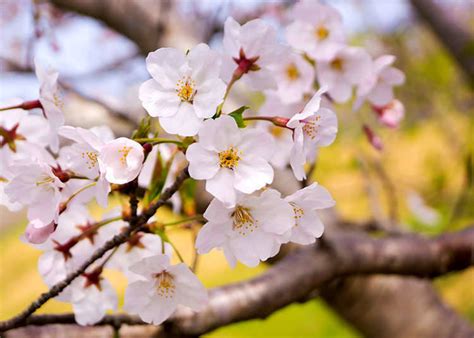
177,252
158,141
185,220
276,120
235,77
63,205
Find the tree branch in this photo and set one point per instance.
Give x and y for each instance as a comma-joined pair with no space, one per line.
452,33
136,223
300,272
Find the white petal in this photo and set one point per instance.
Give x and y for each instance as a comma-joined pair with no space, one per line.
212,235
164,65
219,134
252,173
256,142
184,123
158,101
221,186
203,164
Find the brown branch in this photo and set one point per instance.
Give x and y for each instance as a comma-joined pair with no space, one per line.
136,223
300,272
139,20
452,33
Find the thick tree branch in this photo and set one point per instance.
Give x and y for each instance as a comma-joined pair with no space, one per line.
139,20
136,223
300,272
452,33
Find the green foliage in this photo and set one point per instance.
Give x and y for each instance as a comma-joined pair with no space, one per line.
237,116
143,129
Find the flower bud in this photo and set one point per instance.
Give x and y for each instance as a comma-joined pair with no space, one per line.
37,232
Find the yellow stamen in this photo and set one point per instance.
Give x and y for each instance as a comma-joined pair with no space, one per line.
337,64
165,284
124,151
321,33
292,72
244,222
91,158
44,180
298,212
185,89
311,127
229,158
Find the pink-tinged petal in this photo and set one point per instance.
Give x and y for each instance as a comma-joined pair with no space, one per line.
393,76
252,173
297,155
221,186
203,164
208,96
164,65
212,235
184,123
381,94
341,92
189,290
260,80
217,212
257,142
38,232
219,134
312,197
157,101
204,62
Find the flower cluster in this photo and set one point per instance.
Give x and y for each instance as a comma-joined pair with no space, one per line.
234,152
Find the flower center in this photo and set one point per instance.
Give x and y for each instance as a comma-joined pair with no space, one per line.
91,158
321,33
124,153
337,64
311,127
298,212
244,222
229,158
165,284
57,100
185,89
292,72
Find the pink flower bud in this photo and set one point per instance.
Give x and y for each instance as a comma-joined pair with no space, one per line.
391,114
373,138
37,232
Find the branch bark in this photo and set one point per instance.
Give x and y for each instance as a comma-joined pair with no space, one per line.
456,37
292,279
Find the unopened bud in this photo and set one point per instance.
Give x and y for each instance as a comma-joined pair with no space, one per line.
373,138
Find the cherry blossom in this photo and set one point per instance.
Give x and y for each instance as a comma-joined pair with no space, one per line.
185,88
162,288
51,101
305,203
378,87
121,160
316,29
313,127
35,185
347,67
38,232
230,159
391,114
253,49
294,77
249,232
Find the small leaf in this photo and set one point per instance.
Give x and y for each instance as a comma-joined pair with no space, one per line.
237,116
143,129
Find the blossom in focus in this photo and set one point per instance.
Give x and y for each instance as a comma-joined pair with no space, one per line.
294,77
230,159
251,50
305,203
185,88
316,29
313,127
378,87
162,288
35,185
121,160
51,101
391,114
251,231
347,67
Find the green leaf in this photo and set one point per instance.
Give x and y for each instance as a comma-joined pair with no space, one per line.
143,129
237,116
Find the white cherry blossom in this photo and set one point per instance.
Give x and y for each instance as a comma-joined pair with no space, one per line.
313,127
347,67
51,101
305,203
230,159
162,288
35,185
316,29
251,50
251,231
378,87
121,160
294,76
185,89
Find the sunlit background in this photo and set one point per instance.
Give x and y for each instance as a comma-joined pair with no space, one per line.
428,160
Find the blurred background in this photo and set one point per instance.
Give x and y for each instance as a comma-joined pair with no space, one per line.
423,178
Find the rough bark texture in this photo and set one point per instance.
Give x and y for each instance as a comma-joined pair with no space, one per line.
340,254
454,34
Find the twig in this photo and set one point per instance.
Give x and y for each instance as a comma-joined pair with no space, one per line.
136,223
